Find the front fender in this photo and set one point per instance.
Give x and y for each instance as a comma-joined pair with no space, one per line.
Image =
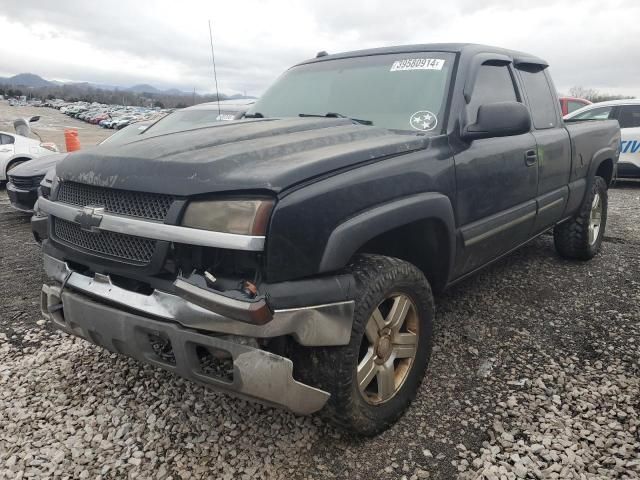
383,191
349,236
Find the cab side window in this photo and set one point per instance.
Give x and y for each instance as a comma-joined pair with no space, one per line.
493,84
541,99
6,139
629,116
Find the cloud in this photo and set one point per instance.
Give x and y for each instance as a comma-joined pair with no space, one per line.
166,43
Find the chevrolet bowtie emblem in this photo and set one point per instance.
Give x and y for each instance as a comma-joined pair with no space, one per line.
90,219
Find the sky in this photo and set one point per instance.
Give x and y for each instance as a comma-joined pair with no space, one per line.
588,43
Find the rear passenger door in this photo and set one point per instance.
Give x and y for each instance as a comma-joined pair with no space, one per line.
495,179
553,145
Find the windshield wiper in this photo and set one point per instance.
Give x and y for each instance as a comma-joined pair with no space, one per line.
337,115
253,115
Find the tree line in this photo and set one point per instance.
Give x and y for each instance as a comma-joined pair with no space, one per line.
594,95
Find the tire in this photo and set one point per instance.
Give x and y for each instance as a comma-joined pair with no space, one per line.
579,238
384,285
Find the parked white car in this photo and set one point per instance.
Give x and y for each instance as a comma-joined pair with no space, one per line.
627,112
16,149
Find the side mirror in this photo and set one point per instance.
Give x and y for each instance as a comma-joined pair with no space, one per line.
501,119
34,119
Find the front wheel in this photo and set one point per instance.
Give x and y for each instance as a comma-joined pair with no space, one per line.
374,379
581,236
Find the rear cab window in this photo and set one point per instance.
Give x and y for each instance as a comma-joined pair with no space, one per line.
542,101
573,105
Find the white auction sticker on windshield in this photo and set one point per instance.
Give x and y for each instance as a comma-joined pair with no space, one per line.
417,64
423,120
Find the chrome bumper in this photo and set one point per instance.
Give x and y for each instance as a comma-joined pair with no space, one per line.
319,325
256,374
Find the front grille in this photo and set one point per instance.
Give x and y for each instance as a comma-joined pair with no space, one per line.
26,182
123,247
152,206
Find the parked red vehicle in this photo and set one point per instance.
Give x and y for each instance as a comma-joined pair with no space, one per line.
571,104
96,119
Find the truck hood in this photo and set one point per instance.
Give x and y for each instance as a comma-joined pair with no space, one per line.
261,154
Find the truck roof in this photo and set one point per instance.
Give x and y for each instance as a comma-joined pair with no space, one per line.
469,49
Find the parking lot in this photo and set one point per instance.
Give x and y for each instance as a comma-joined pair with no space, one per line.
52,124
536,368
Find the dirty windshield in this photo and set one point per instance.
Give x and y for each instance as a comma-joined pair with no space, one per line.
395,91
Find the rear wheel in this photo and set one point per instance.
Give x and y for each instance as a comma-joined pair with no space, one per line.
374,378
581,237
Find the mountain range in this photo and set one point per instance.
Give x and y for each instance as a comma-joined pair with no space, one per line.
36,81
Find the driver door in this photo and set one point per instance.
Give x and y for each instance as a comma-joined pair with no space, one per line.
496,180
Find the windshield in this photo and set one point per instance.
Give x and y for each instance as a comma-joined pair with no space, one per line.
394,91
186,119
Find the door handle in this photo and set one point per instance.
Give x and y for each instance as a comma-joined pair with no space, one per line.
530,157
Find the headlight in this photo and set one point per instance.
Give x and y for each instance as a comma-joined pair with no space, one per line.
242,217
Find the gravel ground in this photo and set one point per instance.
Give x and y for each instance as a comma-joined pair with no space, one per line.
535,374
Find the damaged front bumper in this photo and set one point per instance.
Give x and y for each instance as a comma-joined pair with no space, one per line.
126,322
256,374
318,325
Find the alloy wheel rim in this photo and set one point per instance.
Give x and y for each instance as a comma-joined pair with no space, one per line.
388,349
595,219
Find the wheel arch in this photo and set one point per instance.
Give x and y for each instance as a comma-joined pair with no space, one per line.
602,165
419,229
16,158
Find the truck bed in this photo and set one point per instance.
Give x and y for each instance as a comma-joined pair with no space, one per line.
587,138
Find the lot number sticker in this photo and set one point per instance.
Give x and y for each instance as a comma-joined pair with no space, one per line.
423,120
417,64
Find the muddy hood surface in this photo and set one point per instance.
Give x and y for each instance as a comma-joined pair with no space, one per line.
261,154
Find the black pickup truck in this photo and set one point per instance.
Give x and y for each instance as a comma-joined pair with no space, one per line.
290,256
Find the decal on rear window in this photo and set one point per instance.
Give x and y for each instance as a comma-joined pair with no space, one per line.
417,64
423,120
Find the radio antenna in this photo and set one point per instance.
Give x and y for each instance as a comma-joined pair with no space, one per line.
213,60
